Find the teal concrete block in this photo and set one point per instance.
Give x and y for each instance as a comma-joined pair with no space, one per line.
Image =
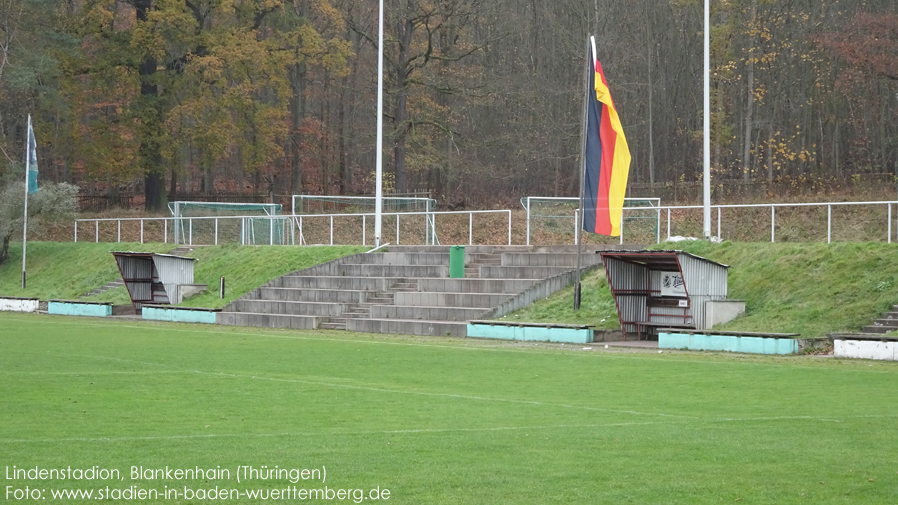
750,345
531,333
179,315
78,309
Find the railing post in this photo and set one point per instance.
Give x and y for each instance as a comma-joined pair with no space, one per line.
119,236
528,221
470,228
76,228
772,223
270,230
889,232
397,229
829,221
332,229
718,221
97,230
622,227
216,231
509,226
190,227
668,223
576,228
141,231
364,228
658,226
164,230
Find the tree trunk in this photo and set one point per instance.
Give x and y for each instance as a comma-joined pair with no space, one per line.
154,178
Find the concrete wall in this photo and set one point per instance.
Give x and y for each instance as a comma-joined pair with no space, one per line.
179,315
65,308
542,334
19,304
866,349
711,342
722,311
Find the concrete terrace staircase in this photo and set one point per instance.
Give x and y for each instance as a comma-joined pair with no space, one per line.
407,290
888,322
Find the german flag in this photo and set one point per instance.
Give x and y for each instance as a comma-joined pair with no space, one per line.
607,159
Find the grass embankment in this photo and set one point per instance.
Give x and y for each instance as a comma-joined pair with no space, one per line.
437,420
65,270
68,270
810,289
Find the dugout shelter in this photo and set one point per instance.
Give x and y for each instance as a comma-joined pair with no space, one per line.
668,289
156,278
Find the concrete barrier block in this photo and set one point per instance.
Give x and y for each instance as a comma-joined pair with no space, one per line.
866,349
72,308
13,304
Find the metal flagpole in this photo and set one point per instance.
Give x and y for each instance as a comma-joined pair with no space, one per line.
589,60
707,126
25,226
378,204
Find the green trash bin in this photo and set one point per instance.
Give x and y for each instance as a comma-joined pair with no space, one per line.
457,262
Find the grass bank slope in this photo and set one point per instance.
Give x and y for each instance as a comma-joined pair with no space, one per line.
68,270
810,289
65,270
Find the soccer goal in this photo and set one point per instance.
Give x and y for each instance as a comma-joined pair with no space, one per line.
553,218
420,207
225,222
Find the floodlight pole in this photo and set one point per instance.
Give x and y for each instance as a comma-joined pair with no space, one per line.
706,178
25,223
379,192
582,213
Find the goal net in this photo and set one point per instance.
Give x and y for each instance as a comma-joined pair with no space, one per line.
551,220
420,208
225,222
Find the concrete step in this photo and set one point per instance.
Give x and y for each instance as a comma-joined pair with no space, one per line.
322,309
335,282
332,325
889,315
267,320
420,258
436,299
893,323
407,327
566,260
314,295
521,272
374,270
475,285
426,313
878,329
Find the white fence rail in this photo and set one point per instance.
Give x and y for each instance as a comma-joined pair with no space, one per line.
773,206
666,211
295,232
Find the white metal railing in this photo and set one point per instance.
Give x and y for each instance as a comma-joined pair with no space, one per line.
773,206
296,222
654,204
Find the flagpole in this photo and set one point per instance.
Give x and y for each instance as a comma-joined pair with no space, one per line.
25,226
582,166
379,192
706,187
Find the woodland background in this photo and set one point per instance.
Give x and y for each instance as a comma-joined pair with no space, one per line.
148,100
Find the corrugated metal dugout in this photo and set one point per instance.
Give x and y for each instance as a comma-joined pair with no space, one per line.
154,278
653,289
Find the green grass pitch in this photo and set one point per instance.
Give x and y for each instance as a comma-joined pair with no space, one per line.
448,421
